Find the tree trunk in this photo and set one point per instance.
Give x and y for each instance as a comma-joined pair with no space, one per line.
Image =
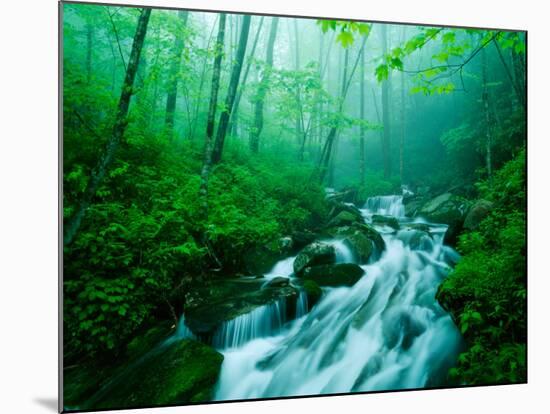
233,83
89,41
386,144
173,77
234,114
262,89
119,127
362,131
207,158
485,103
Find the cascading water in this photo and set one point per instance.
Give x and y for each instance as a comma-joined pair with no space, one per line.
385,332
386,205
261,322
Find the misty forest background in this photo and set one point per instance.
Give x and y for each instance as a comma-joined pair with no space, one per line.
191,139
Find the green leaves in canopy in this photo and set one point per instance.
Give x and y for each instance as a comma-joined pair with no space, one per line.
348,30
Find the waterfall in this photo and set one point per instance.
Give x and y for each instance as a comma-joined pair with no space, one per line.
301,305
386,332
343,252
386,205
263,321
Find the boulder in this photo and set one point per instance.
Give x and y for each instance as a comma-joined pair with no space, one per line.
361,246
301,239
261,259
277,282
225,299
181,372
342,274
386,221
317,253
477,213
368,231
416,239
447,209
313,292
344,218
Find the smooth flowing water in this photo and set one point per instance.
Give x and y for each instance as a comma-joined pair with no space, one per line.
386,332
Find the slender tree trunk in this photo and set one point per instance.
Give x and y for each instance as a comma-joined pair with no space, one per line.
485,103
297,121
262,89
386,144
233,83
362,131
89,44
207,158
403,128
234,114
172,94
333,132
119,127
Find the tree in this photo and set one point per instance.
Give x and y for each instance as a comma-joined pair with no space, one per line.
174,74
487,115
362,128
234,113
207,157
262,89
386,108
233,83
326,152
99,171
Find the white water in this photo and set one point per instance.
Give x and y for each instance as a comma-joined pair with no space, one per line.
385,332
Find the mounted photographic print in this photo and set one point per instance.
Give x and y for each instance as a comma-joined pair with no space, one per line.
259,207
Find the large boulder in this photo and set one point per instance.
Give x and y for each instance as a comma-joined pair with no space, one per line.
345,218
477,213
447,209
363,240
342,274
261,259
416,239
313,292
180,372
226,299
385,221
317,253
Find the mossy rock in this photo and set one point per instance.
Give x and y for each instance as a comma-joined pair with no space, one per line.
313,292
317,253
182,372
261,259
227,299
341,274
447,209
386,220
361,246
345,218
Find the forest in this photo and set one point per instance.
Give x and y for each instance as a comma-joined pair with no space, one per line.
265,206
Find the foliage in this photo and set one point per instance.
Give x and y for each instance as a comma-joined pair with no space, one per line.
486,292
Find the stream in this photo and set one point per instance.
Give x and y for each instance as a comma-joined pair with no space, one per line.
386,332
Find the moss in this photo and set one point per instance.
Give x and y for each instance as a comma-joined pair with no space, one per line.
313,292
342,274
183,372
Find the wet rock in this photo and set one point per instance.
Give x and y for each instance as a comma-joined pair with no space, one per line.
225,299
447,209
360,245
385,220
477,213
300,239
344,218
277,282
342,274
317,253
261,259
416,239
313,292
